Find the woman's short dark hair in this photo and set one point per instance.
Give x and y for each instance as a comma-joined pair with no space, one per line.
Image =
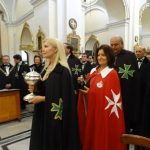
18,57
108,52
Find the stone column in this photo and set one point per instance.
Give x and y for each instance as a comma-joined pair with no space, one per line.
133,23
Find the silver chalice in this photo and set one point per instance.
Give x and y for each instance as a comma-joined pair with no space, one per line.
31,78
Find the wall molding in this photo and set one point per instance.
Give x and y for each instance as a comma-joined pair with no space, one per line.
36,3
108,26
22,19
145,36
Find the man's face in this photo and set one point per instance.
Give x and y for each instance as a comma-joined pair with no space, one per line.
84,58
67,51
5,60
116,45
17,61
139,52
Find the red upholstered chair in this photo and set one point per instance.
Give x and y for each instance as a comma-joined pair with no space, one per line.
139,142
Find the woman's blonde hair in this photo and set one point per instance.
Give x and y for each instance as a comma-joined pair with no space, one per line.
60,56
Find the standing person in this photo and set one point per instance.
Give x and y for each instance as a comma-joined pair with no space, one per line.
74,64
105,119
6,73
144,71
86,65
58,130
38,65
126,66
145,98
141,58
19,83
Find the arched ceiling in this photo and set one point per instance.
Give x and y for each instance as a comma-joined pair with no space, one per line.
115,9
13,9
145,21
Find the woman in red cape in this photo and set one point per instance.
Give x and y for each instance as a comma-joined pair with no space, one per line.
105,120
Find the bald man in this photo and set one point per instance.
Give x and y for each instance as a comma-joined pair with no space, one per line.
126,66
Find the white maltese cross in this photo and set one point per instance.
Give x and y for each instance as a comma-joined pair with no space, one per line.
114,103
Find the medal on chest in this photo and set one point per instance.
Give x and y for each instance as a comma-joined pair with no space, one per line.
99,84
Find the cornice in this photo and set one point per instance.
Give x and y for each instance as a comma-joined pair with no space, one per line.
97,31
22,19
108,26
145,36
118,23
36,3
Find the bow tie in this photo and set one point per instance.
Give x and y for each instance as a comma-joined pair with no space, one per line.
7,65
140,60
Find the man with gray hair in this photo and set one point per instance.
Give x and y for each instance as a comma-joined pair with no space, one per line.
6,73
126,66
140,55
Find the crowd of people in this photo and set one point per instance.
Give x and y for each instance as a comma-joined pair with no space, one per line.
84,103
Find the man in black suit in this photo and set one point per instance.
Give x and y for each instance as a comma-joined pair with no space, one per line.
140,55
6,73
21,69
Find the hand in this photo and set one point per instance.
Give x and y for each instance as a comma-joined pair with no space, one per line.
37,99
8,86
85,90
80,79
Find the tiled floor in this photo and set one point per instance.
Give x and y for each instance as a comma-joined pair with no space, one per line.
15,135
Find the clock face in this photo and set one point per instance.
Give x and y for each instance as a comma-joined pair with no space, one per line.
73,23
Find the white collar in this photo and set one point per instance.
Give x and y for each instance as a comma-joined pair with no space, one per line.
104,72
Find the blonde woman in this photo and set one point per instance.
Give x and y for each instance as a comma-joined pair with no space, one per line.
57,128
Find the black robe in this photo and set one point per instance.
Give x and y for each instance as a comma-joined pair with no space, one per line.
145,101
75,67
126,66
59,128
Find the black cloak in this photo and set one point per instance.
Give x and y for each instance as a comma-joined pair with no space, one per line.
126,66
59,128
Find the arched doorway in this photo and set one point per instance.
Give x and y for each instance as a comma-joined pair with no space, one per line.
91,45
26,42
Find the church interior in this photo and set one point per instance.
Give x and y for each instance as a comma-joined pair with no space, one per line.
85,24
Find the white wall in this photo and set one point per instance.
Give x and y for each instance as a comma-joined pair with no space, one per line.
22,7
40,18
74,10
4,38
95,19
104,35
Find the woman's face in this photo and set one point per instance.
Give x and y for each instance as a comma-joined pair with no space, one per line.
102,58
48,51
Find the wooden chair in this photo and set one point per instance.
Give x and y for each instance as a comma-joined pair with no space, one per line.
136,140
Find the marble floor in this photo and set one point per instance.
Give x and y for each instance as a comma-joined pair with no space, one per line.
15,135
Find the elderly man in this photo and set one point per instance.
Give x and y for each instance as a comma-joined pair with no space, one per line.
140,55
126,66
6,73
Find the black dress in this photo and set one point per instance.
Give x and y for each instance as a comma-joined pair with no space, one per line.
58,128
